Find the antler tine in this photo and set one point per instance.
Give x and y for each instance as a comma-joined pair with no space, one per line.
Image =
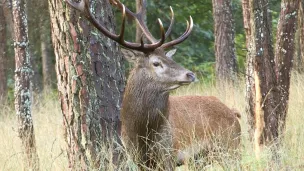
139,18
171,23
84,7
162,32
141,47
182,37
142,40
79,6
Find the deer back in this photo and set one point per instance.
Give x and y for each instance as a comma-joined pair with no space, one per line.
202,122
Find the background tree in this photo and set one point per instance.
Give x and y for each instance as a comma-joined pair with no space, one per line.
41,47
23,92
226,65
268,87
90,84
263,71
299,57
46,48
3,87
250,86
34,14
284,53
138,30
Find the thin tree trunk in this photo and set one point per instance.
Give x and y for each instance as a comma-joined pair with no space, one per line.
90,83
3,86
23,89
284,56
302,35
226,65
299,61
246,21
34,15
46,47
263,71
138,30
10,62
250,86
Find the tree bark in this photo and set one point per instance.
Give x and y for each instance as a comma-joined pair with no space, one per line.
271,73
299,61
284,55
3,83
250,86
263,72
23,89
302,35
226,66
90,83
246,21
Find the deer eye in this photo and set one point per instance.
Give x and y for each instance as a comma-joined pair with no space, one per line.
156,64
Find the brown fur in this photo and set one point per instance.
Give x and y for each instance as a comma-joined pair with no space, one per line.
197,121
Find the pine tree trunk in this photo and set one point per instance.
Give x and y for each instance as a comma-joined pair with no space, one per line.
284,55
226,66
271,73
262,72
23,89
250,86
3,87
90,83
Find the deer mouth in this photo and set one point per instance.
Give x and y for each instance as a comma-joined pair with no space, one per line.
184,83
177,85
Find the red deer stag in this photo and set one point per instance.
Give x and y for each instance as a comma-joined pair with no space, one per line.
146,105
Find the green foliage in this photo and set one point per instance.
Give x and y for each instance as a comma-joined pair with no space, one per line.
197,52
241,52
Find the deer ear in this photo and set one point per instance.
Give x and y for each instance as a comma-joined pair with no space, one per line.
170,53
130,55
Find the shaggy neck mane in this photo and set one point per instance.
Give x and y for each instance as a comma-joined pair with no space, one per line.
144,105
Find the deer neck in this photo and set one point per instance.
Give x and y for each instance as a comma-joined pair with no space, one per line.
144,104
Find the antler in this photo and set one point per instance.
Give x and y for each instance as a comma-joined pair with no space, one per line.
84,7
139,17
182,37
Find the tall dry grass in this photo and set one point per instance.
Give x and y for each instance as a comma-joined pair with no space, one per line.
51,146
48,130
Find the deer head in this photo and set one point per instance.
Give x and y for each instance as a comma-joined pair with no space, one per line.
150,59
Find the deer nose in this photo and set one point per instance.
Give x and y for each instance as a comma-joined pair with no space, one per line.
191,76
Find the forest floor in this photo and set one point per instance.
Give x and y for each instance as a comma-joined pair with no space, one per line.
48,125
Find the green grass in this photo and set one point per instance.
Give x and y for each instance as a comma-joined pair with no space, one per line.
51,146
